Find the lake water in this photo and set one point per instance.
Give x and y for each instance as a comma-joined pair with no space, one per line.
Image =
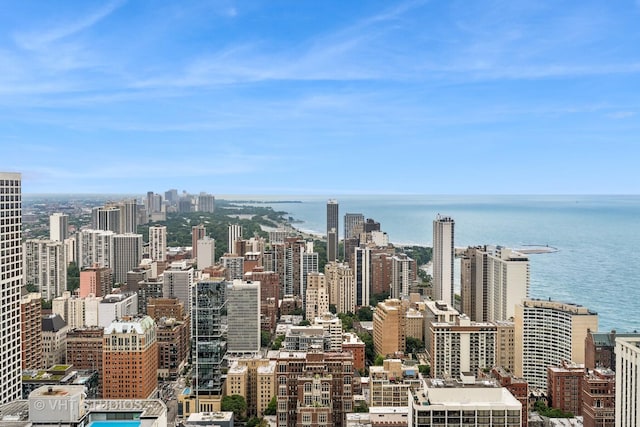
598,239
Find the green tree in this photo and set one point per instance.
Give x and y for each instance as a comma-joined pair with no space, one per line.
379,360
414,345
272,406
256,422
277,343
546,411
361,407
265,338
425,370
73,277
376,298
304,323
369,351
347,321
333,309
236,404
365,314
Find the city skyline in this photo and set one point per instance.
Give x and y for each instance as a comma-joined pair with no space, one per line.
239,98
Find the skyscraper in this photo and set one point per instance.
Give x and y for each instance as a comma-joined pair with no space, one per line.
127,254
308,264
10,282
332,230
158,243
353,225
342,291
443,256
94,247
58,227
546,333
389,327
206,202
362,274
128,216
206,252
493,281
106,218
317,296
177,283
243,319
197,232
31,327
45,267
235,234
208,347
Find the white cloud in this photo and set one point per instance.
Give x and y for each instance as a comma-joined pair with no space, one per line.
621,114
37,40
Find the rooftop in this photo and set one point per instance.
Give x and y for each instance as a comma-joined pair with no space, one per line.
213,417
139,325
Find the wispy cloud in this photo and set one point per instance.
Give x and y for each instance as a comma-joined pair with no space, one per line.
335,55
621,114
38,40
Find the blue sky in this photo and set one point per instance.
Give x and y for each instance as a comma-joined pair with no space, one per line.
322,97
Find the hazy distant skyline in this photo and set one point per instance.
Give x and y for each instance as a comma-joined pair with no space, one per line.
290,97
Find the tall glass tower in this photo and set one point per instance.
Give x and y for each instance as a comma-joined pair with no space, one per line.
208,347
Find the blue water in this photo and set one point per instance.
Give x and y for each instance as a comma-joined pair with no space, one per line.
598,237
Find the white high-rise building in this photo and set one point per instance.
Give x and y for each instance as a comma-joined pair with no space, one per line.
317,297
45,267
58,227
95,247
158,243
127,254
71,309
332,326
545,334
401,276
206,203
178,283
342,291
627,381
10,282
493,280
507,283
308,264
243,317
128,216
206,252
443,258
234,266
235,234
461,346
